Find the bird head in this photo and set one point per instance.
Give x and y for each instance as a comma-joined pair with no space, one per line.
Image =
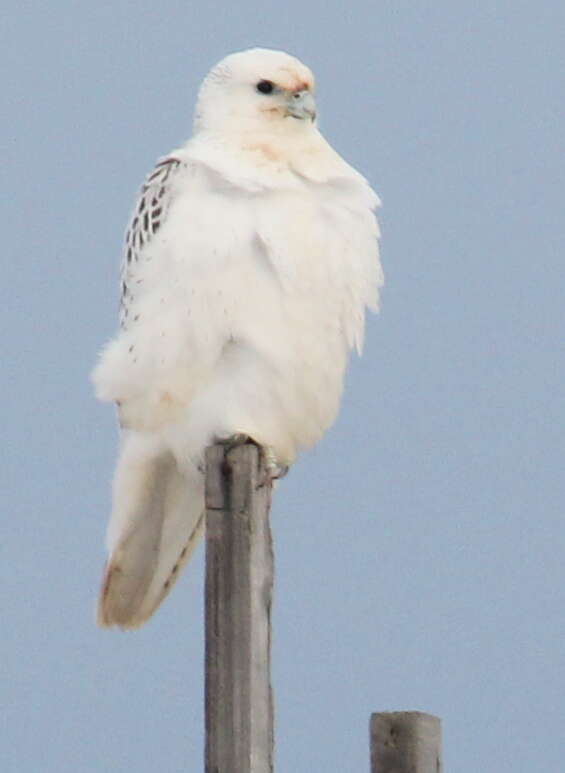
257,91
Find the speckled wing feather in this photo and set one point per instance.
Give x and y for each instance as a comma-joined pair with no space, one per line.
150,212
158,514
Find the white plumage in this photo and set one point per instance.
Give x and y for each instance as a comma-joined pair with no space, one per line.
250,259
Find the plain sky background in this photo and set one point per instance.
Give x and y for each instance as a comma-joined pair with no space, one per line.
420,547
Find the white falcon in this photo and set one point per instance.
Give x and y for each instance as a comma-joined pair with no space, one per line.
250,259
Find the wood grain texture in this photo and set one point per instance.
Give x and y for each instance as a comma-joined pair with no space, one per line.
239,579
405,742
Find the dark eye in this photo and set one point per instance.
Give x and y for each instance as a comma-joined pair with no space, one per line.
265,87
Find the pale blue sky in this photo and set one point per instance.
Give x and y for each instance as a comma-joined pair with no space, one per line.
420,547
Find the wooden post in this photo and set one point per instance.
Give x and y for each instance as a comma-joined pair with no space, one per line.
239,579
405,742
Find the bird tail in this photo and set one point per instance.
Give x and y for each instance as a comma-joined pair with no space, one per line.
157,518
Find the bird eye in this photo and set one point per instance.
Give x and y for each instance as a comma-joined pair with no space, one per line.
265,87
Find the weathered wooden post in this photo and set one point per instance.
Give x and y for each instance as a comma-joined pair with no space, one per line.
239,579
405,742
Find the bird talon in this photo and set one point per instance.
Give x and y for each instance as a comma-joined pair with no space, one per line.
273,469
235,440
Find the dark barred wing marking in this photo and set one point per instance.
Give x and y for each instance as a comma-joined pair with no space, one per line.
150,212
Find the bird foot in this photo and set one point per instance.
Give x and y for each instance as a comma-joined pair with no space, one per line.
235,440
274,470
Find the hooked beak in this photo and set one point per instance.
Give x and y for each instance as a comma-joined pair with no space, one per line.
301,105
